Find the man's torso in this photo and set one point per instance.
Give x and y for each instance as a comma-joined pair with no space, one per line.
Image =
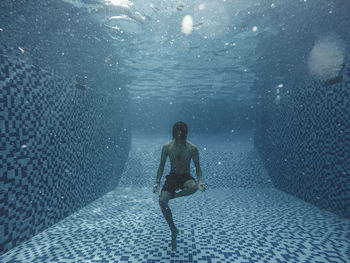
180,156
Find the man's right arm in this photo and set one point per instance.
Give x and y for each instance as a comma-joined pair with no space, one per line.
162,164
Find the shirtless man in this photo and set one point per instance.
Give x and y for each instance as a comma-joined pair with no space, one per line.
180,153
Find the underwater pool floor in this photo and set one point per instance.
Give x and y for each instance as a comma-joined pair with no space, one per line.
219,225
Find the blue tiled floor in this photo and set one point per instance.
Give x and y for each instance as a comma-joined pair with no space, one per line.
240,218
219,225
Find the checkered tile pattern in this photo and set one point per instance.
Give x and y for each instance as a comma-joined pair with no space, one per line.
236,224
304,141
60,148
219,226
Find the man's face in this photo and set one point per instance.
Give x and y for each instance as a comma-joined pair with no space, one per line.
178,133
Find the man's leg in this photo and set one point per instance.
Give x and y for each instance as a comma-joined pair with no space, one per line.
163,202
190,187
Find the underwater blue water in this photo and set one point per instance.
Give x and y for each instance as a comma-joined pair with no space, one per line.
90,89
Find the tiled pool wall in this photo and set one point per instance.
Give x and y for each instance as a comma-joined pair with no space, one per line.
61,148
304,141
303,133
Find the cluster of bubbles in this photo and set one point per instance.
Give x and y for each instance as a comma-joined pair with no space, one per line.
326,59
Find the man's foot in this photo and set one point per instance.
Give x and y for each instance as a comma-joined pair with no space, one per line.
173,238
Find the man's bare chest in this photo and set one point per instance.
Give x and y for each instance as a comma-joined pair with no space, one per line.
178,155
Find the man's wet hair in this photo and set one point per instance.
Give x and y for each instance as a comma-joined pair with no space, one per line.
180,126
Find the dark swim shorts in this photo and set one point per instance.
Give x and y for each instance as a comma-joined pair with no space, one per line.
174,182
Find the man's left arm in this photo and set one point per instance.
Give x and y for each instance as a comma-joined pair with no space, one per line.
201,185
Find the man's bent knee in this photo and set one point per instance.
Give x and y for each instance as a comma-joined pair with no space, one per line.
194,188
191,186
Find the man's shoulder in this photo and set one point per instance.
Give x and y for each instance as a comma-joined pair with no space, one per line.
191,145
166,146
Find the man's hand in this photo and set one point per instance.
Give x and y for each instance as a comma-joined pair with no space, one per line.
156,188
201,186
